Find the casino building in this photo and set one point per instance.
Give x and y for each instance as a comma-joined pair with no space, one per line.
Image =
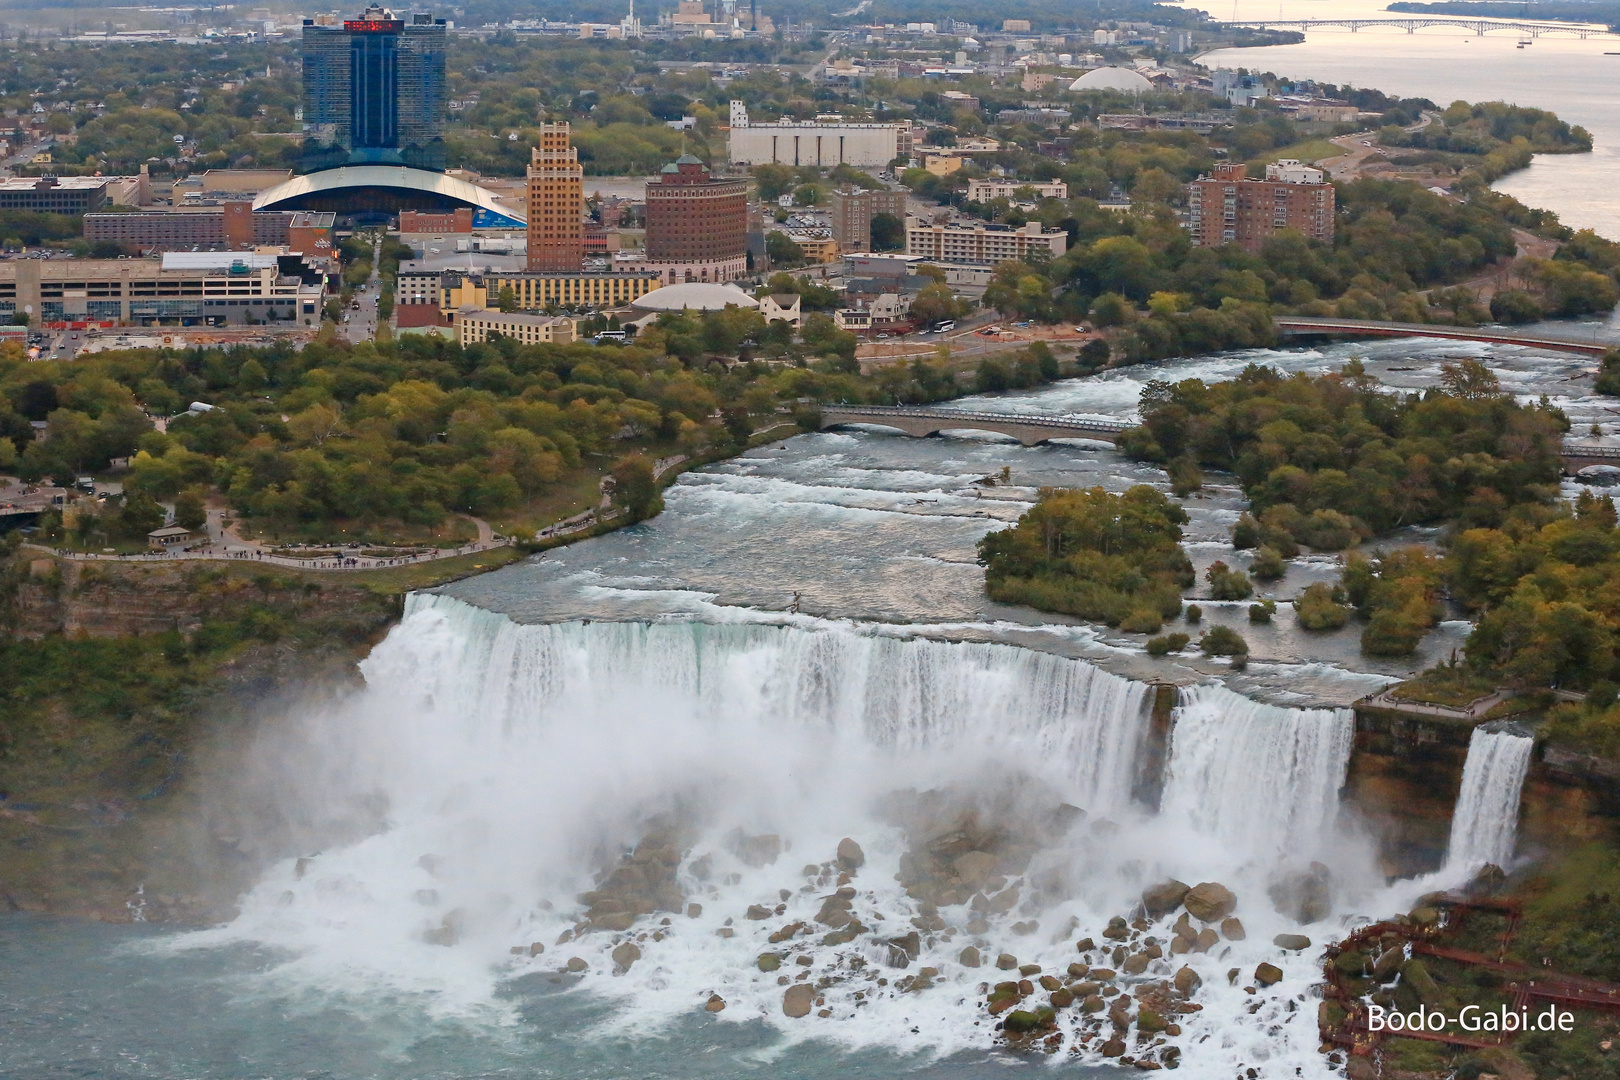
374,106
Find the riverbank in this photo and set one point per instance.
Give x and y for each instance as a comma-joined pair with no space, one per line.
131,688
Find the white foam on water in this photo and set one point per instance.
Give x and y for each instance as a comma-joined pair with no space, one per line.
490,770
1485,823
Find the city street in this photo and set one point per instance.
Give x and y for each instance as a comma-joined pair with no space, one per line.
361,325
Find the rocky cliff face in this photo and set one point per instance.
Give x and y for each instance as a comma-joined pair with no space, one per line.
102,600
127,680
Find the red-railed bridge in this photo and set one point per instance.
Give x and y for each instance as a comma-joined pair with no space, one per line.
1302,326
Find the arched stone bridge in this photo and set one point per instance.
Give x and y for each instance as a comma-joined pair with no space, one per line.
1577,457
921,421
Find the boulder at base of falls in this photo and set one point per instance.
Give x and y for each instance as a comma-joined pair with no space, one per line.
1163,898
975,867
969,957
1305,897
756,851
1006,961
1113,1047
768,961
1388,963
716,1003
577,964
1294,942
1488,882
1210,901
1136,963
850,855
1187,981
798,999
625,955
1232,929
1268,974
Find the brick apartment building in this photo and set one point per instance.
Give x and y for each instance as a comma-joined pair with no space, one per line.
1229,208
853,211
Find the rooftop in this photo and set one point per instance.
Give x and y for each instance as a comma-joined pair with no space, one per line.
31,183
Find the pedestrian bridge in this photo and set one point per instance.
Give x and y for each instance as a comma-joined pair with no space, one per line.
922,421
1300,326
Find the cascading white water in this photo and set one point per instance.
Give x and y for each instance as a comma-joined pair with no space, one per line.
1259,776
1073,723
1485,822
491,770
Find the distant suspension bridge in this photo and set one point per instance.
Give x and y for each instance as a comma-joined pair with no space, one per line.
1479,26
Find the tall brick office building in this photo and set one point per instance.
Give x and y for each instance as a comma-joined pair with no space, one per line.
1229,208
556,202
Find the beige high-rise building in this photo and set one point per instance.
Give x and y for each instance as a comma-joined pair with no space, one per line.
556,202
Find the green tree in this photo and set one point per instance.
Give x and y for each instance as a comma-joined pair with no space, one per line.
888,232
190,511
635,488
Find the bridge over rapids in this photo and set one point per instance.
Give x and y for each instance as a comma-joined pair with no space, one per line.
1301,326
922,421
1412,25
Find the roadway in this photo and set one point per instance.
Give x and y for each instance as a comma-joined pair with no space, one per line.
361,325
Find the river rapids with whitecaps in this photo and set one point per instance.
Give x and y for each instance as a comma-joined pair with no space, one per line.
699,710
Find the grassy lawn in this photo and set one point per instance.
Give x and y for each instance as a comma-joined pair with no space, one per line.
1453,688
1307,151
579,489
451,532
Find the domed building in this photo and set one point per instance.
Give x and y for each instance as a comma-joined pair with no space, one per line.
694,296
1112,78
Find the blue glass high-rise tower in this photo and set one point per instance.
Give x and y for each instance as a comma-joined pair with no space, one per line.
374,91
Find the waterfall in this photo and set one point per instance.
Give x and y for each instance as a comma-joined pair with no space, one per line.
1262,777
463,816
1486,820
1078,725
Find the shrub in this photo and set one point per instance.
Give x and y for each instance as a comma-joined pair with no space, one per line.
1142,621
1184,477
1268,565
1194,614
1515,306
1263,611
1226,583
1321,607
1223,641
1246,533
1329,530
1167,643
